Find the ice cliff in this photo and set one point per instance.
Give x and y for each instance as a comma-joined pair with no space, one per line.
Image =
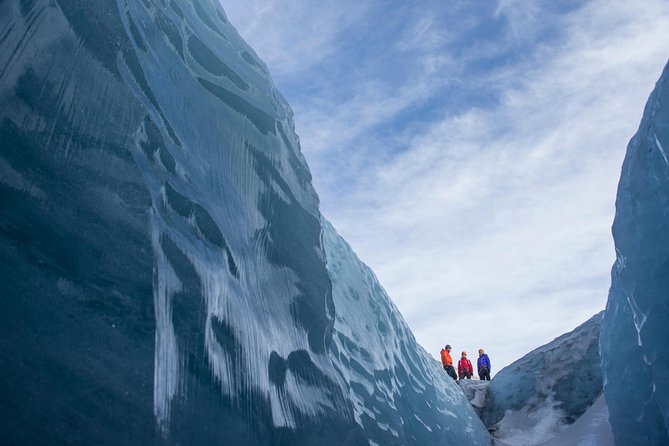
167,275
565,374
539,395
635,333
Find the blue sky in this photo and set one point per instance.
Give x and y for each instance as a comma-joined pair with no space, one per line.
469,151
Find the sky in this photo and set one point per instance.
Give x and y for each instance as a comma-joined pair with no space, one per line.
469,151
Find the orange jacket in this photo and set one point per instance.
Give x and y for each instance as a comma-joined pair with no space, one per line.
446,357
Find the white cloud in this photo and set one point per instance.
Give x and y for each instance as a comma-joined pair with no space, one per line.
293,36
490,226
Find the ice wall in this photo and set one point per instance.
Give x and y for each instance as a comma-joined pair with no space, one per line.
164,273
560,379
634,347
399,392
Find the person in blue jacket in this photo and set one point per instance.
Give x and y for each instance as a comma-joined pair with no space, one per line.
483,365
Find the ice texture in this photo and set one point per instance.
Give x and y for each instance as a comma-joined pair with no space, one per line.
475,391
535,397
635,332
552,396
165,278
399,393
591,429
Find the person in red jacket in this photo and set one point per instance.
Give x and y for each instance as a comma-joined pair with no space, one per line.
465,368
448,362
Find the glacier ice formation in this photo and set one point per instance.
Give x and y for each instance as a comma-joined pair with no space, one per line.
635,332
566,372
552,396
167,275
591,429
540,394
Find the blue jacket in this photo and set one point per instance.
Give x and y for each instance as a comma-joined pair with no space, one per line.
483,361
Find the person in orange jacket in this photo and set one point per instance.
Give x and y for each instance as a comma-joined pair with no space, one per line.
465,367
447,361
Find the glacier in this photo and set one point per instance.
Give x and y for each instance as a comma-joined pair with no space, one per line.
167,275
551,395
634,332
562,377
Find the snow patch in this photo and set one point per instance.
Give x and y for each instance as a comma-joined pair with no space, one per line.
529,426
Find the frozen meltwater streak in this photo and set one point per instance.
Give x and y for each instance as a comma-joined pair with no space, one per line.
166,371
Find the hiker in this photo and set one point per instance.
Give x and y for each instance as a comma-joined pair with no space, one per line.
483,365
448,362
465,367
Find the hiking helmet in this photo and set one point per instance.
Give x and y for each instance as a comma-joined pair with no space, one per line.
447,346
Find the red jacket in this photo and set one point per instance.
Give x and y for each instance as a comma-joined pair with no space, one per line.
465,365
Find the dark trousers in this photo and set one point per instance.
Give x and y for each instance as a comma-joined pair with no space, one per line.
451,371
484,374
464,375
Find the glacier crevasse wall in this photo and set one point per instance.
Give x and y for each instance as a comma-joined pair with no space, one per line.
635,332
564,374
